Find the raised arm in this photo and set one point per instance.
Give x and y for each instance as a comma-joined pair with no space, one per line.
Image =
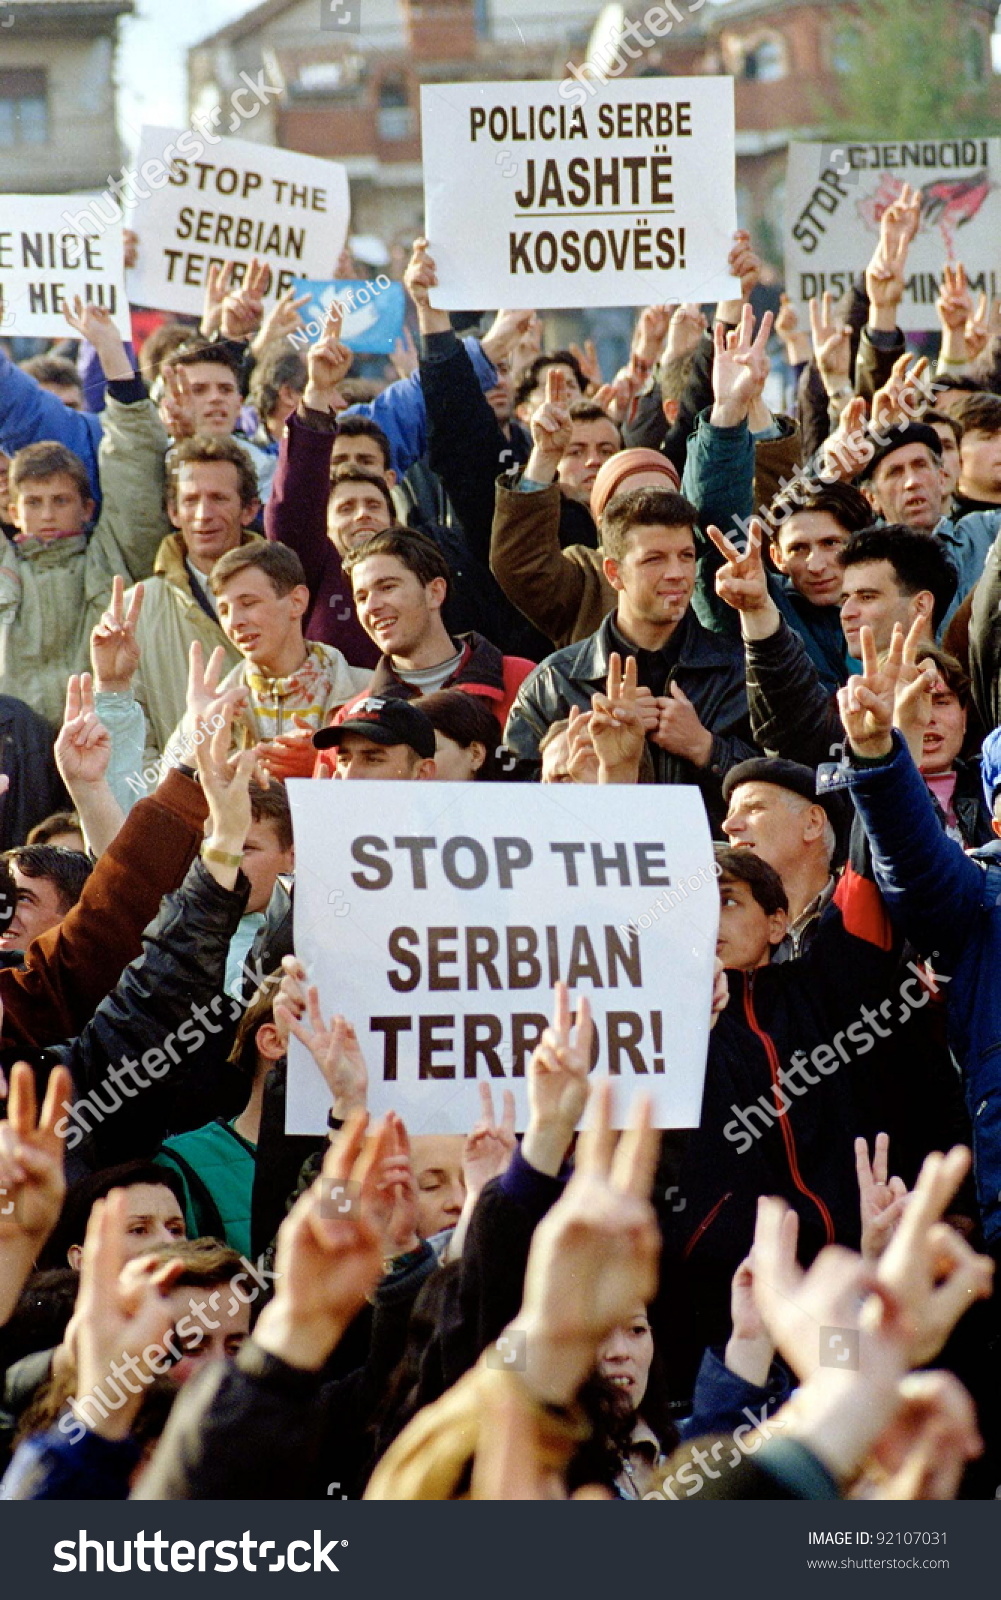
932,889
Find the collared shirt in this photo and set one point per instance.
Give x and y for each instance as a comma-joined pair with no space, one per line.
799,933
640,1461
654,668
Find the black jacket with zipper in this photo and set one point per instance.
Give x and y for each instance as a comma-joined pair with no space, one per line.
759,1136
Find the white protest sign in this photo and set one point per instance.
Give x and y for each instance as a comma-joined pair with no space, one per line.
44,262
836,195
437,917
231,202
537,195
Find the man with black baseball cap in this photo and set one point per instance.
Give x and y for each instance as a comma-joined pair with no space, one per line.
381,738
774,810
903,482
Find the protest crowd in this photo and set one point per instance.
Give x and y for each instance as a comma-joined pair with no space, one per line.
227,562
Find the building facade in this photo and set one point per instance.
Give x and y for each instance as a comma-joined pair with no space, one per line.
354,94
58,130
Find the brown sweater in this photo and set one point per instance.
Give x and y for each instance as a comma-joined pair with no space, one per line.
69,970
563,592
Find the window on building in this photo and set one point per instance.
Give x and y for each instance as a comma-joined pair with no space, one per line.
974,56
395,113
845,48
24,107
765,62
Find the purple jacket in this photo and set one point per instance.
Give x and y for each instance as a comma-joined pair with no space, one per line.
296,515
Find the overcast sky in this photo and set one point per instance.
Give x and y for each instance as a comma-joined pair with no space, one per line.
151,63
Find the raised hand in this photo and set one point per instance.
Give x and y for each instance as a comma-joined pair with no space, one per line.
419,279
687,327
217,282
114,648
923,1452
328,363
225,781
831,344
94,324
490,1146
741,580
582,759
243,308
32,1185
616,398
123,1313
866,700
744,263
955,298
740,368
848,449
558,1084
914,696
900,222
649,334
392,1206
881,1199
904,394
83,745
593,1258
797,341
333,1045
587,360
403,357
329,1255
551,427
281,321
203,699
983,326
750,1350
618,733
177,412
929,1267
506,330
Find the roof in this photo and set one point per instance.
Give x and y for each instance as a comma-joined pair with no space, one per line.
248,23
52,10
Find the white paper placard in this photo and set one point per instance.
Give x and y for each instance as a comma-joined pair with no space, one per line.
436,917
835,196
234,200
538,194
45,260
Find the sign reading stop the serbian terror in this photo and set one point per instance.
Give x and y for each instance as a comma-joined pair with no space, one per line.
437,918
836,195
537,194
231,202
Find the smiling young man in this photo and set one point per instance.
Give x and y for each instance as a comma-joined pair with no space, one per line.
47,883
261,595
696,707
400,583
